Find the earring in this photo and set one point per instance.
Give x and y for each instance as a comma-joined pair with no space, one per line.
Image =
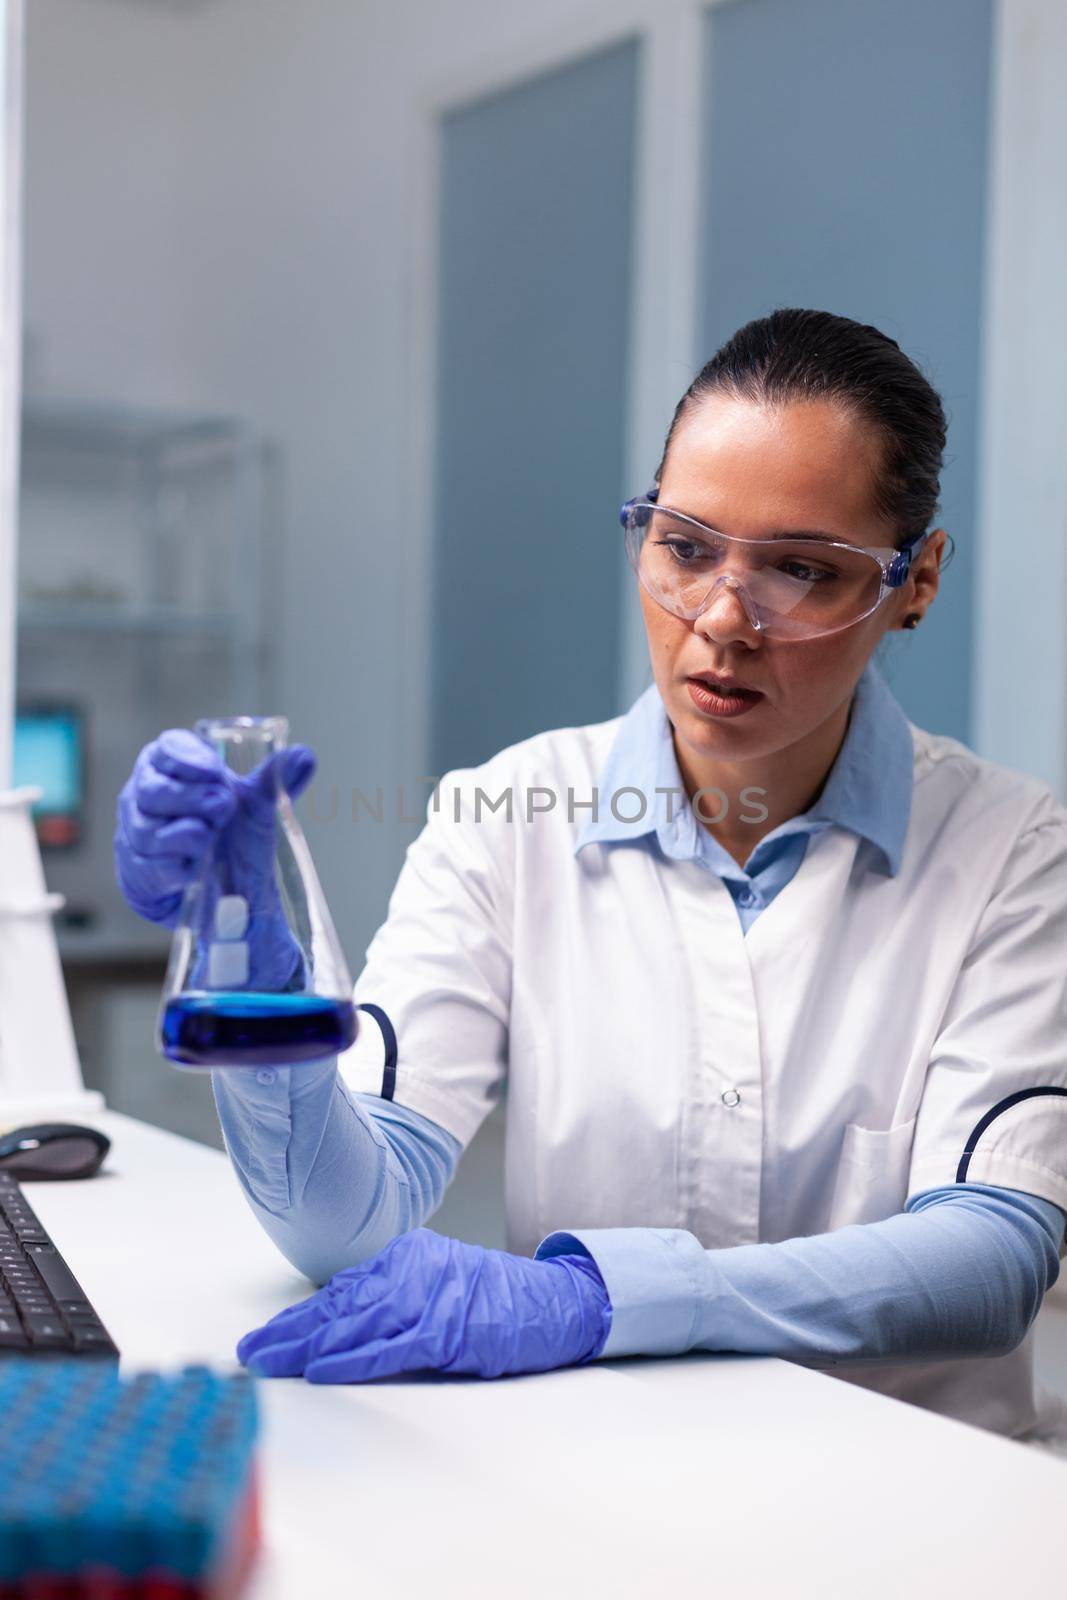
912,620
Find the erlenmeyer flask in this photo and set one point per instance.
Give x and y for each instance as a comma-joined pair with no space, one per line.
256,974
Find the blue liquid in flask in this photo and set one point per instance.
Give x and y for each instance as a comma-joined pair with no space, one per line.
231,1029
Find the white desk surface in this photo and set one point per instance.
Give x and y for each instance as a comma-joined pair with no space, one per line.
723,1475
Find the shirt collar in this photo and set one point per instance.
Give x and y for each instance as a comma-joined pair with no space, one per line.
868,789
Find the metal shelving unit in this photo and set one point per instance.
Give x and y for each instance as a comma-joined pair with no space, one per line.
147,582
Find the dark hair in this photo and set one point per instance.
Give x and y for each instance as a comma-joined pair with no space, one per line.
811,355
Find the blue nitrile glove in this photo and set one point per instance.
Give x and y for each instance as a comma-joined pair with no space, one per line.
179,801
426,1302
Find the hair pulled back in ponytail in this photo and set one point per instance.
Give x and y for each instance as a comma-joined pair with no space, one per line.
795,354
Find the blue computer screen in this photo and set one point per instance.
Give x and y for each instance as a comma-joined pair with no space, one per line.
48,756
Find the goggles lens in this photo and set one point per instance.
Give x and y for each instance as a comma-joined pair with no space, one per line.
790,588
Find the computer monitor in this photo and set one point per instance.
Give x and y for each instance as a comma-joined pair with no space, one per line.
49,754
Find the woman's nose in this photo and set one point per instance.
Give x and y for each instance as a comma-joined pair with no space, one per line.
728,612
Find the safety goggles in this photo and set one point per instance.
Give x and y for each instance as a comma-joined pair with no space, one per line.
793,588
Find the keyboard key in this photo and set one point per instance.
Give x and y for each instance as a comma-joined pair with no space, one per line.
91,1339
47,1332
78,1311
61,1282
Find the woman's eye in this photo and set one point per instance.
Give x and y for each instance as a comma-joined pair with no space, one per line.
685,551
805,573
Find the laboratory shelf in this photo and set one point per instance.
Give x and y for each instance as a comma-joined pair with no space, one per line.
121,619
148,568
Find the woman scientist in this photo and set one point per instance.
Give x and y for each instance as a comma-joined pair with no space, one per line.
776,977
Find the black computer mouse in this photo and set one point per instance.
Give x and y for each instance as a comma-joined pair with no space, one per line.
52,1150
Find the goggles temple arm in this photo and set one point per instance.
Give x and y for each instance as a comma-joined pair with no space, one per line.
900,565
628,505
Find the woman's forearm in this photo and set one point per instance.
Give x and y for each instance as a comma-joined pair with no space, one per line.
331,1175
961,1273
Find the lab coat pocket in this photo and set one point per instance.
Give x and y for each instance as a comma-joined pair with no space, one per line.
872,1174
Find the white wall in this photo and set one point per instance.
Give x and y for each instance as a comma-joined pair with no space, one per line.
224,208
10,349
1020,656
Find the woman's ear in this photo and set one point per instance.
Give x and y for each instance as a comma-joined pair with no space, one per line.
926,574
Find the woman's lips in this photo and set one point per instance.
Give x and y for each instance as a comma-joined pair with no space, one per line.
726,680
717,705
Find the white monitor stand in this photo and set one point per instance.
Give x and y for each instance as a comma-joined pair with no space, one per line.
40,1075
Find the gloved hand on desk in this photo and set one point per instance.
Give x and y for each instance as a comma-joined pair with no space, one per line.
429,1303
179,802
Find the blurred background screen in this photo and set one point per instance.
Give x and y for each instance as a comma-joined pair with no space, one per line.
49,754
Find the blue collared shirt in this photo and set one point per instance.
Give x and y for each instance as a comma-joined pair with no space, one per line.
868,790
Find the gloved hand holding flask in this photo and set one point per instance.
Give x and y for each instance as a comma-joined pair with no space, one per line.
207,843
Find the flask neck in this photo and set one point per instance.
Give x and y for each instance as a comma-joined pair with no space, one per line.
244,742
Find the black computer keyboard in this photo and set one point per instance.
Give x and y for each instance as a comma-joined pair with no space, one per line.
43,1308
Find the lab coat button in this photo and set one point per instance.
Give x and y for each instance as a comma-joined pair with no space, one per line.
730,1097
266,1075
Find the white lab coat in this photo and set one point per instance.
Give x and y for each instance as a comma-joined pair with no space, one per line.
664,1069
